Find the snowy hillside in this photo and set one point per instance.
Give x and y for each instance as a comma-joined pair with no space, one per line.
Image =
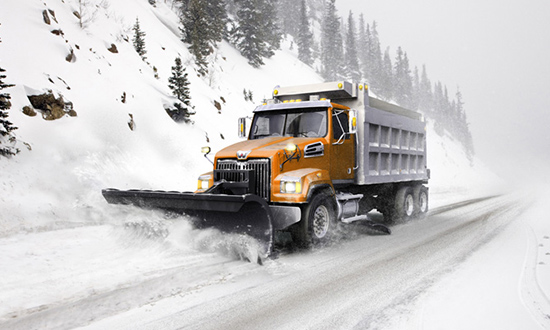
72,158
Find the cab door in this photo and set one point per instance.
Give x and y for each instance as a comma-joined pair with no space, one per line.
342,155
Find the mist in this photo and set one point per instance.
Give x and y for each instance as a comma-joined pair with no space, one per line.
497,54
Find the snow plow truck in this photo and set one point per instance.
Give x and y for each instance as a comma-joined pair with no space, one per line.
315,156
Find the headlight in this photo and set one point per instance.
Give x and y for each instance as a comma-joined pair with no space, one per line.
204,182
291,186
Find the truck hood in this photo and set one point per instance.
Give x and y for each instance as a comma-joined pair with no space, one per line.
264,148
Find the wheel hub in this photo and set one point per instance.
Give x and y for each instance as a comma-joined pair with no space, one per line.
321,222
409,205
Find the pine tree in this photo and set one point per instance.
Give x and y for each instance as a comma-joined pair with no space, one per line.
196,32
461,115
425,94
331,44
415,89
375,68
305,37
217,17
362,46
464,130
402,79
139,41
386,79
289,12
256,34
179,84
351,63
270,32
248,34
6,127
203,26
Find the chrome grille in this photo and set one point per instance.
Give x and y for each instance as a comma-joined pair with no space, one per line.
261,168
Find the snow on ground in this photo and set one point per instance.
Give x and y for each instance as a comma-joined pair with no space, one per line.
504,285
60,241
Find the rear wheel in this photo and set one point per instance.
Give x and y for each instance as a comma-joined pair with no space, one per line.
421,200
317,224
401,206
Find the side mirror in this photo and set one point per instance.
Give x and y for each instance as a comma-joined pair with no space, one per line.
206,151
352,121
242,127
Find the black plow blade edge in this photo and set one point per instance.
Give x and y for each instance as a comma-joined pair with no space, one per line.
251,221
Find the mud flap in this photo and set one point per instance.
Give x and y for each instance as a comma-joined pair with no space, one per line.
247,215
377,226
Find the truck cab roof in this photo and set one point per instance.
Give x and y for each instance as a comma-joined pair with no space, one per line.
298,105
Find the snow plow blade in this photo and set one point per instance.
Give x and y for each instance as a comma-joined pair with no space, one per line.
239,214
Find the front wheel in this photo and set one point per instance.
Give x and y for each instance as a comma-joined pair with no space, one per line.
317,224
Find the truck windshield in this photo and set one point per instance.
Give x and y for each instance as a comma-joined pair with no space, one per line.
311,123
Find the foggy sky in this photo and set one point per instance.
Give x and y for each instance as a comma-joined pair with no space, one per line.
498,52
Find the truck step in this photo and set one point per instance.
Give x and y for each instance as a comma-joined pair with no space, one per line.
355,218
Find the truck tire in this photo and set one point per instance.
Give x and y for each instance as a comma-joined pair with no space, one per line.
318,222
421,200
401,208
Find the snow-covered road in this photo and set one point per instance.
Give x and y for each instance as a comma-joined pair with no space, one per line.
467,265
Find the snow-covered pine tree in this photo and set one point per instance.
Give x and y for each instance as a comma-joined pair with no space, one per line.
256,34
402,79
415,88
305,36
209,18
439,107
217,17
362,46
425,94
385,86
339,47
271,33
197,32
289,13
138,40
7,139
248,35
351,63
375,67
179,84
408,83
464,133
461,114
331,44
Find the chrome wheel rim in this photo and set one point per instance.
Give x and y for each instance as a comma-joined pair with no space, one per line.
409,205
423,203
321,221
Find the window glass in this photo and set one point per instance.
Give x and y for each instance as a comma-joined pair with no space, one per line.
290,123
340,124
268,125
